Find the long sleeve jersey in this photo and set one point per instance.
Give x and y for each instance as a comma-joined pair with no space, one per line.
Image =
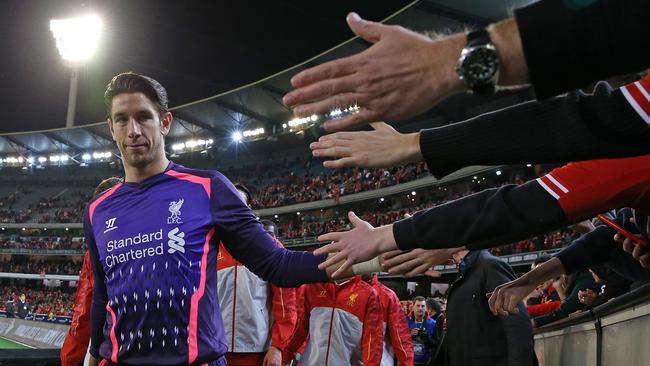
398,343
154,249
343,323
499,216
76,341
256,314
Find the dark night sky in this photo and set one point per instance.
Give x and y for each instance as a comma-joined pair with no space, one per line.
195,48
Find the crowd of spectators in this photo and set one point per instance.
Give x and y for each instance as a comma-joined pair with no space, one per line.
42,242
54,301
27,265
294,188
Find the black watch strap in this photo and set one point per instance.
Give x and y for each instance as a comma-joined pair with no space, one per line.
478,37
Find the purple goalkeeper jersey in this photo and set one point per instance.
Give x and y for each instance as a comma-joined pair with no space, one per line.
154,248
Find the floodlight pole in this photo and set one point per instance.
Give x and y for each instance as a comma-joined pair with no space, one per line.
72,96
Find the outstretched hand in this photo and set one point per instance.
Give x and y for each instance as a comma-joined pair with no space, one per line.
415,262
360,244
401,75
383,147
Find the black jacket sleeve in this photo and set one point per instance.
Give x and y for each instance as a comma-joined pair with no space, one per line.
599,248
516,326
482,220
569,43
572,127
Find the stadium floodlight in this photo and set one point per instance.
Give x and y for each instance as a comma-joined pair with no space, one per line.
413,193
86,157
30,160
237,136
54,158
64,157
76,40
498,172
42,159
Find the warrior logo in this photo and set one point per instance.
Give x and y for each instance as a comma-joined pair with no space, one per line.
175,211
110,225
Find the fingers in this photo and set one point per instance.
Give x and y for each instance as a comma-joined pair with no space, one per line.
400,257
638,251
392,254
355,220
336,151
334,247
382,126
331,260
333,237
645,260
370,31
403,268
332,69
344,268
323,89
433,273
340,163
419,270
329,103
628,245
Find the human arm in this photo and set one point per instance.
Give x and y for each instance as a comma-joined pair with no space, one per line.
517,325
372,337
403,74
571,303
244,237
100,297
76,341
283,307
400,336
417,261
542,309
572,127
301,331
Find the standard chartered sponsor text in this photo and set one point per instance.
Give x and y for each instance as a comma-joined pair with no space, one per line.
131,254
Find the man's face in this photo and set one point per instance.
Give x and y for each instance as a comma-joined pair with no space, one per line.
419,308
137,129
22,297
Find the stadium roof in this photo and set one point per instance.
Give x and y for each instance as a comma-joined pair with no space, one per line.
254,105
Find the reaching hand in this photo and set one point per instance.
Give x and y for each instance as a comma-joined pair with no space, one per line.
273,357
640,252
360,244
504,298
415,262
382,148
401,75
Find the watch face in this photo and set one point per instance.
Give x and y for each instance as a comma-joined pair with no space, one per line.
480,65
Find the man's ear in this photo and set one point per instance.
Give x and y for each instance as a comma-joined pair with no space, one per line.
166,123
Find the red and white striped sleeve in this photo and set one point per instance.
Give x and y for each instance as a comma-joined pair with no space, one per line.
586,188
637,95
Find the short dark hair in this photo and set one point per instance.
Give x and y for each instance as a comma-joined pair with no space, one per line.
241,187
270,227
106,184
434,304
419,298
130,82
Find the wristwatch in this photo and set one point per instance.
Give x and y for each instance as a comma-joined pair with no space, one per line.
478,65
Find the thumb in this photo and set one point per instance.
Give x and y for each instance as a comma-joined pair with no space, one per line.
354,219
382,126
370,31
